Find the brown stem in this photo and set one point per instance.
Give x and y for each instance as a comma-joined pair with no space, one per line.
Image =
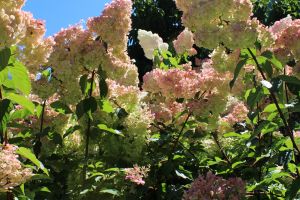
181,132
87,142
38,147
4,137
273,97
9,196
215,137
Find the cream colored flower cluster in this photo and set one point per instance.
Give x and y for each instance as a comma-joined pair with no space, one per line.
18,27
103,44
217,22
12,173
113,26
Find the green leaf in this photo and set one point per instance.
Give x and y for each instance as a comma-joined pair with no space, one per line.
86,106
4,57
272,108
110,130
111,191
255,95
238,163
237,71
61,107
27,153
83,84
267,67
19,114
102,83
238,135
21,100
56,137
106,106
290,79
103,88
182,175
16,77
5,108
44,189
293,189
71,130
272,59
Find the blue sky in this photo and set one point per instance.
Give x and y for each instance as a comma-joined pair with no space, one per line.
62,13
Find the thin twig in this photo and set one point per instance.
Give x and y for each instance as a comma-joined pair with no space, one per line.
38,137
215,137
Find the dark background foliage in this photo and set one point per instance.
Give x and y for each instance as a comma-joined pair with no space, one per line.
162,17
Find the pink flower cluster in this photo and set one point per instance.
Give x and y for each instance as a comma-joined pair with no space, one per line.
237,113
286,33
184,43
12,172
164,112
173,83
204,91
214,187
137,174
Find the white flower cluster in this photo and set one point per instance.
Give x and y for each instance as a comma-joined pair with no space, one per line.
149,42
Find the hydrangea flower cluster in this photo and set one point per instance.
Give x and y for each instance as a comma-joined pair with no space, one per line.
201,91
20,28
103,44
113,26
184,43
215,22
12,173
286,33
223,61
215,187
78,51
236,111
150,42
137,174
